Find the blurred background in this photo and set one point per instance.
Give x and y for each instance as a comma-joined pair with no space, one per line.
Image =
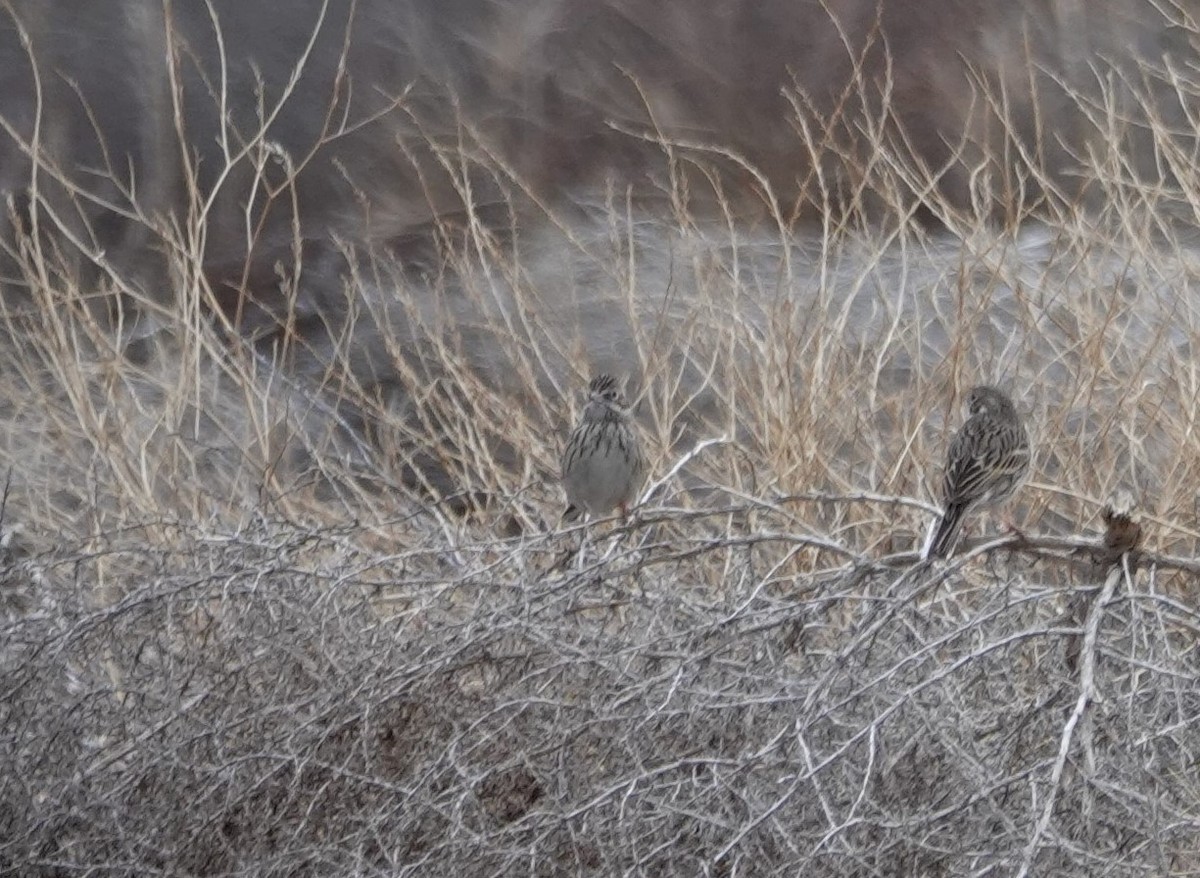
375,120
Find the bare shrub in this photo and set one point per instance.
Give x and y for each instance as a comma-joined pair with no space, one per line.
246,708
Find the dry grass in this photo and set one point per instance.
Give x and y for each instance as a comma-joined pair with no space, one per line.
240,638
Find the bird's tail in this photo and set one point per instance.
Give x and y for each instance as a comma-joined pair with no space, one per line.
945,532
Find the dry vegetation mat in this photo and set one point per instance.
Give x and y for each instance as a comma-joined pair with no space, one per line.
673,699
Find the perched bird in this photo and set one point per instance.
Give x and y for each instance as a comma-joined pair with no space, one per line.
987,460
602,465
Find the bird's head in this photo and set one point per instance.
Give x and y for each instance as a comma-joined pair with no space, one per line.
984,400
605,398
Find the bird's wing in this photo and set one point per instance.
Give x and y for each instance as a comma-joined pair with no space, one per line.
982,456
